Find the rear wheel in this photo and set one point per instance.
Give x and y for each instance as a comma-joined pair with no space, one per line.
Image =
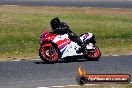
93,55
48,53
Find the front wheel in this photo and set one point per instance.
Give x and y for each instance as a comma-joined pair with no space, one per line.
48,53
93,55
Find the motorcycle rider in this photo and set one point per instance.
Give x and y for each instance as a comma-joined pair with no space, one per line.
59,27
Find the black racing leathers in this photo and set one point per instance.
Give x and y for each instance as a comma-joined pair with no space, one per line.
64,29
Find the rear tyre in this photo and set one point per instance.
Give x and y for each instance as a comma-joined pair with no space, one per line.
48,53
94,56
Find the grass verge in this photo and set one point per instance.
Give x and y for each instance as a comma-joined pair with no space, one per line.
21,26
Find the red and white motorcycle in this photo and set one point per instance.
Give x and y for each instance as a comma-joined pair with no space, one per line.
54,47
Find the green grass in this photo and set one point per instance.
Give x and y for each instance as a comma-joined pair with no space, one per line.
20,28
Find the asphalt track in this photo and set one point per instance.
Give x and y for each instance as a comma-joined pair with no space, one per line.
33,74
71,3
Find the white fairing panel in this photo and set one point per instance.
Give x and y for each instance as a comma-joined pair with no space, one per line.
60,37
86,36
70,50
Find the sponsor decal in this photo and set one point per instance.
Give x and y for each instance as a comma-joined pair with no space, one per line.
83,78
62,43
63,51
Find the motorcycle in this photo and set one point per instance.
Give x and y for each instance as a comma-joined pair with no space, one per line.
54,47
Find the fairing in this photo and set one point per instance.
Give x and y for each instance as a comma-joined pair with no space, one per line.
65,45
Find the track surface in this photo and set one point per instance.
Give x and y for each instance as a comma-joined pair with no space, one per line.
28,74
70,3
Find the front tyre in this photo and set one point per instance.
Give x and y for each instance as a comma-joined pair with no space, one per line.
48,53
94,55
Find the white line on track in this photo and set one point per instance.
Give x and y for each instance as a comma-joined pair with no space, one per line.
69,86
81,59
90,84
37,59
16,60
116,8
72,85
10,5
115,55
57,86
43,87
